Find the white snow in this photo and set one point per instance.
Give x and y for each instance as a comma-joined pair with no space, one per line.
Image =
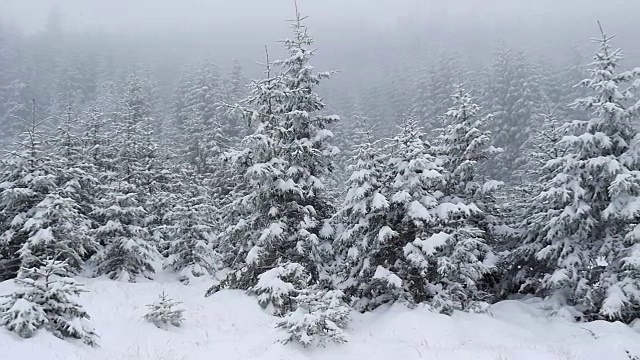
253,255
429,246
231,326
386,233
388,276
379,201
491,185
417,211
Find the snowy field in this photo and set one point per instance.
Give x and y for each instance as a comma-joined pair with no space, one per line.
230,325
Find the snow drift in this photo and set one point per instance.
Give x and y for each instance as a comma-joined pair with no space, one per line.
230,325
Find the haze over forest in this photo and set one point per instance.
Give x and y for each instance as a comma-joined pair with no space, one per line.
328,157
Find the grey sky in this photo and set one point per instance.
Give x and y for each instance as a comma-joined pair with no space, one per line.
202,14
242,27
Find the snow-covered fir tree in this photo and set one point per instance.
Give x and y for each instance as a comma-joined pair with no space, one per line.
236,87
413,194
426,239
136,146
165,312
41,214
126,248
21,316
466,210
74,84
190,229
13,104
308,151
320,318
257,167
276,288
16,107
94,137
235,90
434,85
123,232
515,205
62,219
279,217
28,177
204,130
513,96
77,166
45,298
201,121
56,229
363,214
545,145
351,131
581,243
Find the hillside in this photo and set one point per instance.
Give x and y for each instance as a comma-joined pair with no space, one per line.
230,325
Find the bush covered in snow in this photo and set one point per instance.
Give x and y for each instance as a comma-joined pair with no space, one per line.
320,318
276,288
45,299
165,312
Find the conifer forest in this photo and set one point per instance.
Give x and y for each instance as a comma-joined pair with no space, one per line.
324,185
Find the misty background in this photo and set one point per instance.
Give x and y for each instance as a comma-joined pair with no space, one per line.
351,29
394,57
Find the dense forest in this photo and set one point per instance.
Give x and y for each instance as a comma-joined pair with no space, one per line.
440,182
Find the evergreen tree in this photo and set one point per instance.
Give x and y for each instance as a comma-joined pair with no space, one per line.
15,92
73,86
277,287
22,317
136,148
416,177
45,298
16,99
28,177
320,318
279,218
236,83
545,145
513,95
580,244
164,312
190,230
204,129
258,166
308,152
56,229
351,132
434,85
467,207
363,213
235,91
97,151
127,251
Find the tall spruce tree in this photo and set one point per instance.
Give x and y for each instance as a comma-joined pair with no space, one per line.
391,270
189,229
467,208
278,218
513,96
127,250
29,176
363,214
581,242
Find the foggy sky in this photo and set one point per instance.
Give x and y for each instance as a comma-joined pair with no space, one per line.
149,15
240,28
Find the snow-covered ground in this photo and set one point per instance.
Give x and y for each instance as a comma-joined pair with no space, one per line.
230,325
